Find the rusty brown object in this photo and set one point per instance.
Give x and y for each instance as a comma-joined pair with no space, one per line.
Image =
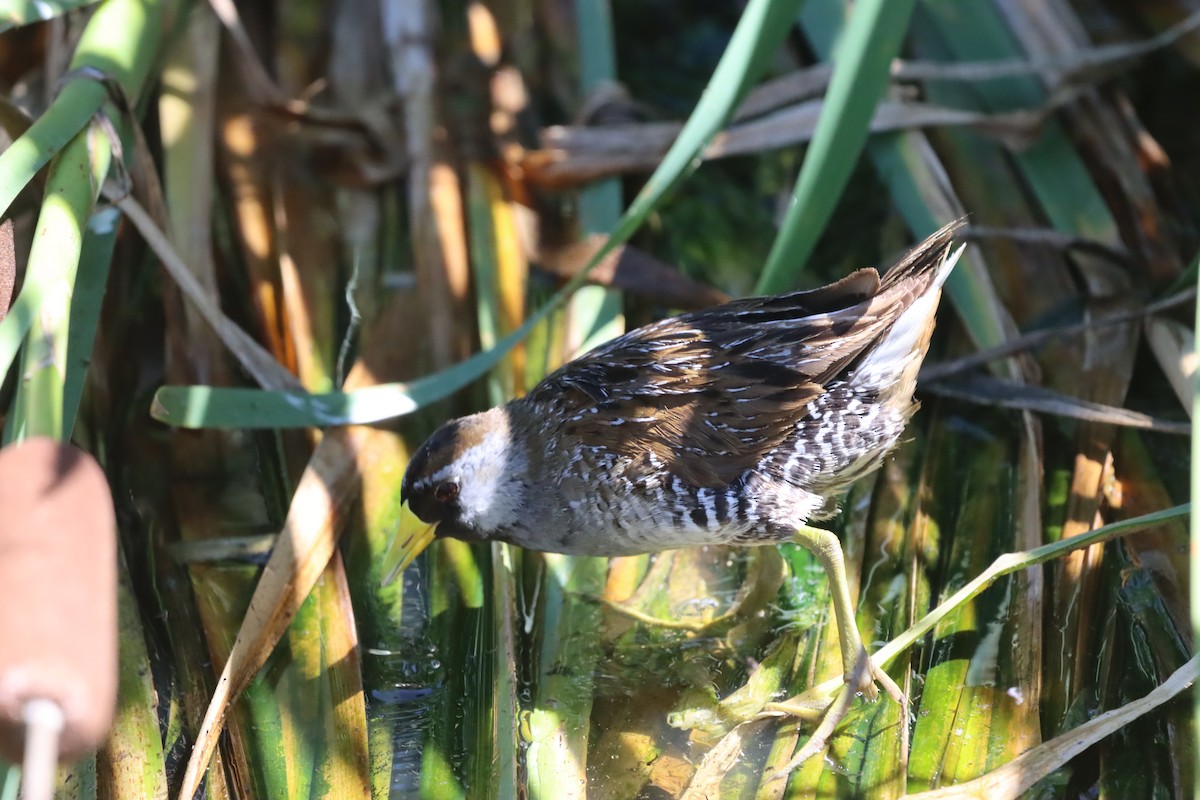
58,586
8,266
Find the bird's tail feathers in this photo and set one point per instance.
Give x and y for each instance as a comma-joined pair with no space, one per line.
933,252
897,356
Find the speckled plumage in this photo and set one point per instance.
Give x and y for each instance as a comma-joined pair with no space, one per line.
734,424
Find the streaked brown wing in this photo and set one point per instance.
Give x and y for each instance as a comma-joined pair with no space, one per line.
710,393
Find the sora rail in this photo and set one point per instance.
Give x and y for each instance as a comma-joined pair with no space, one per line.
733,425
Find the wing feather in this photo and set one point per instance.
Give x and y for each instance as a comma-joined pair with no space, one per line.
710,393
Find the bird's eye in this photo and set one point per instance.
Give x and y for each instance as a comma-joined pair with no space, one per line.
445,491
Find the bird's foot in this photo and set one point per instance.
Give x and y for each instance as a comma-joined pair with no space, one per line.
834,714
867,677
861,680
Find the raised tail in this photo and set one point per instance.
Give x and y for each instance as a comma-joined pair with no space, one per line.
916,284
933,252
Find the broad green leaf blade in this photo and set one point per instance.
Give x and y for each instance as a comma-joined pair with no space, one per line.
119,43
964,708
562,705
871,40
75,105
131,763
90,283
71,191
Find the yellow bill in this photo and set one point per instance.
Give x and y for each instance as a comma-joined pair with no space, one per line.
412,537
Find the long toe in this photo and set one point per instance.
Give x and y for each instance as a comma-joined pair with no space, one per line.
889,685
836,712
867,677
861,679
862,682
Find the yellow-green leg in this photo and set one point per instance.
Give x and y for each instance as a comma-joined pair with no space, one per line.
859,673
859,677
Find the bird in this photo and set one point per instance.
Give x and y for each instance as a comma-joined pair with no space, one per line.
738,424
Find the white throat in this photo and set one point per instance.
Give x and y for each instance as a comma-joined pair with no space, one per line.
489,477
